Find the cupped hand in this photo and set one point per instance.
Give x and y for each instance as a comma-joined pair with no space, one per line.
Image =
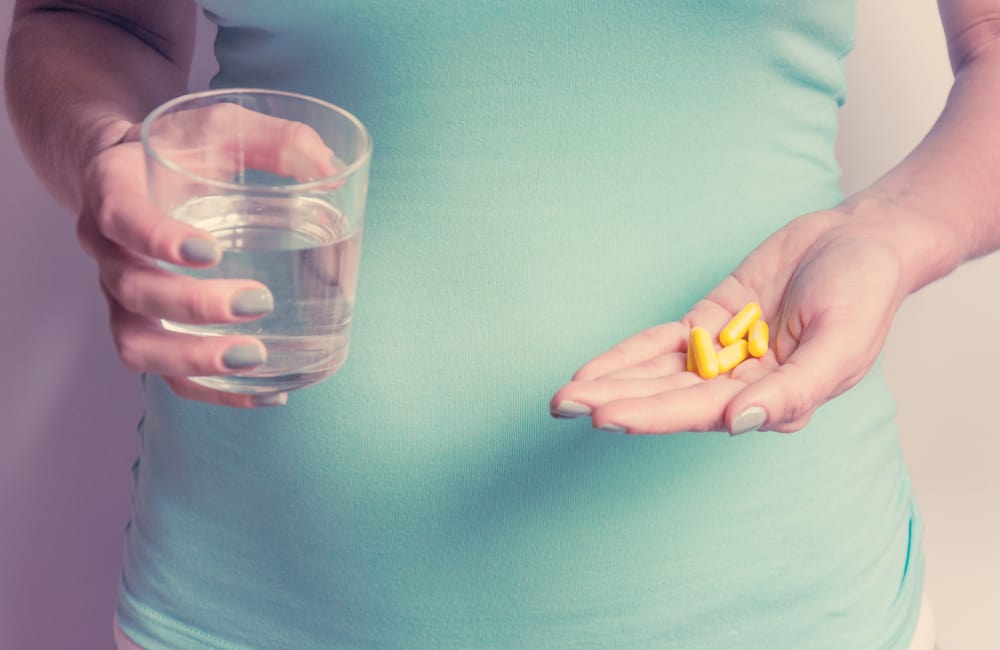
126,235
828,287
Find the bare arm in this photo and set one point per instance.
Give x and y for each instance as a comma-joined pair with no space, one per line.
830,282
943,201
79,74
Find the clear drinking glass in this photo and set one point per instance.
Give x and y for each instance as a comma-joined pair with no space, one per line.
279,180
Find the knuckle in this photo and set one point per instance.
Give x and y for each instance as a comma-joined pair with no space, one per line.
107,213
797,402
159,237
796,406
192,359
129,351
201,305
296,133
128,290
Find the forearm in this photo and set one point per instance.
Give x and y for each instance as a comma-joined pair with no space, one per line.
77,79
941,205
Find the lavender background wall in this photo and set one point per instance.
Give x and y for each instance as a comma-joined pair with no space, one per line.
67,439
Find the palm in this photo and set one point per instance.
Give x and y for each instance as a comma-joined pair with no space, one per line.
828,295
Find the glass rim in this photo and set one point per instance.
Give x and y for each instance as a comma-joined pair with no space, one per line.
152,153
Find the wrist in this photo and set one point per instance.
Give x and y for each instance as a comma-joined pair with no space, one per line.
928,248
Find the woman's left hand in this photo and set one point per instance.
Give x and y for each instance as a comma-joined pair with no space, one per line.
828,285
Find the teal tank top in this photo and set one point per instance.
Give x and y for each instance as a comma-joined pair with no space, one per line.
549,177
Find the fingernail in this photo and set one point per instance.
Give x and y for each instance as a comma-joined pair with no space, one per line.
252,302
570,409
612,428
750,419
198,250
239,357
271,399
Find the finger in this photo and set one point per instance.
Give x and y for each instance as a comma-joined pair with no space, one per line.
582,397
711,313
144,346
645,345
188,389
283,147
241,138
144,289
727,298
696,408
824,364
133,223
120,212
660,366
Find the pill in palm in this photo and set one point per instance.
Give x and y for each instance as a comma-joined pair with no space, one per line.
739,325
732,355
705,358
757,339
752,337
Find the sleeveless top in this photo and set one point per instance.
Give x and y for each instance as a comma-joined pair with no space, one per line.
549,177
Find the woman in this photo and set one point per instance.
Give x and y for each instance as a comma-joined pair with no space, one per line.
549,178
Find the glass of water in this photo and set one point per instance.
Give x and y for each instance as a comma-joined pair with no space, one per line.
279,180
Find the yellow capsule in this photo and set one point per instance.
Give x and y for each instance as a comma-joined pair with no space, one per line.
691,365
705,359
732,355
738,327
758,337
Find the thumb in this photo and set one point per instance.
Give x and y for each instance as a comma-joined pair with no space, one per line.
829,359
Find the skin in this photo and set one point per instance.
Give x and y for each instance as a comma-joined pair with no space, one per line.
81,75
76,104
829,280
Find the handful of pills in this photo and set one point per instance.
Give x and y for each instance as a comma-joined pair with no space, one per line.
743,336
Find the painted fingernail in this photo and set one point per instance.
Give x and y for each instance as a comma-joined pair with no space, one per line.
252,302
240,357
750,419
570,409
198,250
271,399
612,428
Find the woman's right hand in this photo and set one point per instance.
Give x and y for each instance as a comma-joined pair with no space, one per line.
126,234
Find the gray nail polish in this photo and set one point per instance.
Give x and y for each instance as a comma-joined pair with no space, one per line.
271,399
239,357
252,302
612,428
199,251
570,409
750,419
